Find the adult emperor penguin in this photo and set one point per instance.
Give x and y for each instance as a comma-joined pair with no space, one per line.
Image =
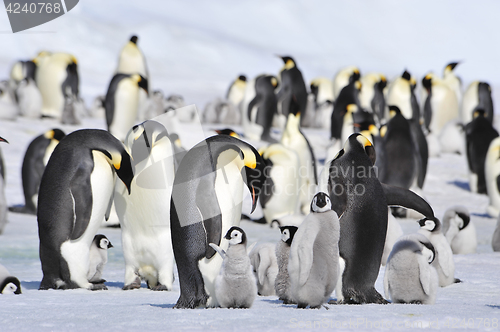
282,283
459,230
492,177
206,201
265,267
322,91
75,195
36,157
452,80
122,103
479,134
131,60
409,276
344,77
314,255
236,91
361,201
98,258
143,214
371,96
57,78
348,96
443,263
292,94
8,283
400,94
477,96
259,108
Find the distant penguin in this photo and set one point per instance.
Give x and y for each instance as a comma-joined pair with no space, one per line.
222,111
235,286
36,157
75,195
265,267
29,99
292,94
399,93
394,232
3,198
444,264
236,91
479,134
492,177
56,76
146,234
348,96
322,91
344,77
22,70
8,283
131,60
459,230
9,109
409,276
314,255
282,282
98,258
477,96
361,201
495,240
122,103
348,121
453,81
206,202
452,138
371,95
259,108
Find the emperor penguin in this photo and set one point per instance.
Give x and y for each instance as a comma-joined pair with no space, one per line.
280,195
361,201
206,202
236,91
265,267
453,81
143,214
122,103
8,283
131,60
235,286
282,282
314,255
409,276
57,78
492,177
400,93
292,93
495,240
322,91
98,258
75,195
477,96
22,70
371,95
344,77
36,157
9,109
348,96
29,99
479,134
259,108
459,230
444,264
294,139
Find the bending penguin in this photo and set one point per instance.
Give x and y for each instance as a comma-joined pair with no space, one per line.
98,258
206,202
8,283
282,282
75,195
459,230
314,255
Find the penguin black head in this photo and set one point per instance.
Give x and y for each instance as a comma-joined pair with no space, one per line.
427,82
134,39
321,203
143,84
356,75
236,235
242,78
288,61
428,250
478,112
394,110
451,66
56,134
124,169
357,142
465,220
10,285
227,131
287,233
430,224
406,75
102,242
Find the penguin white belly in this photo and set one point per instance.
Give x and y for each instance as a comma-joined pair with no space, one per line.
470,100
253,131
465,242
237,93
230,196
77,252
132,62
126,108
443,263
30,100
444,107
49,79
452,139
400,96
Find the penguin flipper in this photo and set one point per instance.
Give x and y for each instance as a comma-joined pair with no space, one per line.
110,205
425,276
221,251
255,102
81,192
444,257
208,206
386,283
305,251
312,157
397,196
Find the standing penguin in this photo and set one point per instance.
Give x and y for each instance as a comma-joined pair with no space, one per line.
259,108
3,199
444,263
265,267
409,276
371,96
344,77
477,96
75,195
314,255
348,96
479,134
322,91
8,283
122,103
143,214
492,177
235,286
98,258
236,91
206,201
131,60
400,94
282,283
292,94
361,201
36,157
459,230
453,81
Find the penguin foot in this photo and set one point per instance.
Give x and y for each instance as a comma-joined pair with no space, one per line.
159,287
191,303
100,281
355,297
334,302
301,305
98,287
134,285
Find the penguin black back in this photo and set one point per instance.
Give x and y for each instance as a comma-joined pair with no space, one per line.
348,95
293,92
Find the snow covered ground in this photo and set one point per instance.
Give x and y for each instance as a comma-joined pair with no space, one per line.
196,48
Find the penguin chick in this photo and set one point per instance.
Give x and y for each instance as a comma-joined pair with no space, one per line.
314,255
459,230
409,276
265,267
235,286
98,258
282,282
8,283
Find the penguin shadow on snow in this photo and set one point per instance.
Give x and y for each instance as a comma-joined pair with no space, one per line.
163,306
460,184
30,285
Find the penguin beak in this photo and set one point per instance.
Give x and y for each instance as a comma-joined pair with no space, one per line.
110,245
3,140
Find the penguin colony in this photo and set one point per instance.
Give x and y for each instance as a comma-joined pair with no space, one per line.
185,205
